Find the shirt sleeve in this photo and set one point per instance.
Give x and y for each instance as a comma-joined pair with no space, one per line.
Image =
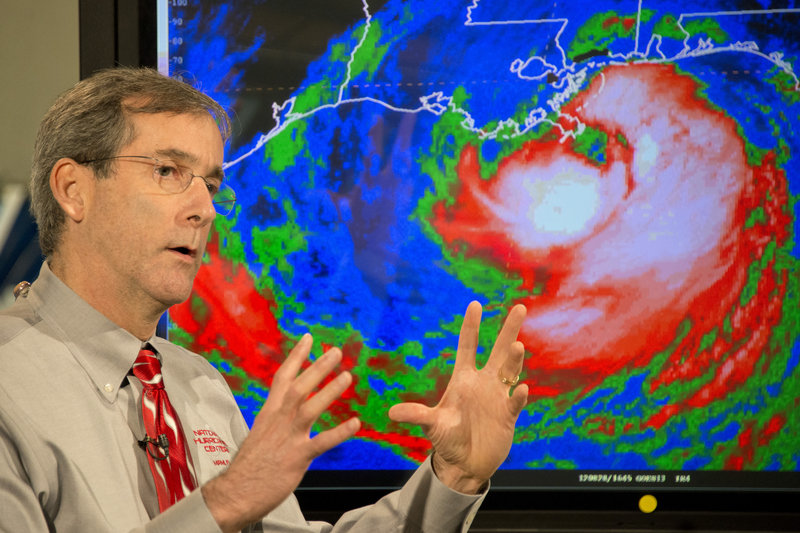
424,505
190,515
20,506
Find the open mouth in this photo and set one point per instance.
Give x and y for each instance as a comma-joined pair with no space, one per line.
183,250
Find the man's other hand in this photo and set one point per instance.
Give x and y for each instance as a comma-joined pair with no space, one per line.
279,449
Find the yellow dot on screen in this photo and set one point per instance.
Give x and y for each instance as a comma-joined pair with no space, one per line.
648,503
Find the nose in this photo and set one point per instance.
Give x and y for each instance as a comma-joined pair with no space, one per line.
200,207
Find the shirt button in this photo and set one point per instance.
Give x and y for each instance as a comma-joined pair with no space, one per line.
109,387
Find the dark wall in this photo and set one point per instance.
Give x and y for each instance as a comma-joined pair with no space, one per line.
116,32
20,256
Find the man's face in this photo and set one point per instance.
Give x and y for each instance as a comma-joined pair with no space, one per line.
149,243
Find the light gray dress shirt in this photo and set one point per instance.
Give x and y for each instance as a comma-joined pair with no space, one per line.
70,420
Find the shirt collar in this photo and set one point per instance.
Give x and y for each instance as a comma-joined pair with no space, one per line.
104,350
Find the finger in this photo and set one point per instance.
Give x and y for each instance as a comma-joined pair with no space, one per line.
507,336
319,402
291,366
291,393
519,399
468,337
512,365
330,438
411,413
312,376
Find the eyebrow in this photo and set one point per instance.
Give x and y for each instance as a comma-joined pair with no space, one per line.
186,157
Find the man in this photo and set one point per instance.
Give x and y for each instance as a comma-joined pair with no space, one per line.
127,178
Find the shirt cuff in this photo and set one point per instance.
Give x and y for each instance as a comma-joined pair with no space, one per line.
190,515
439,508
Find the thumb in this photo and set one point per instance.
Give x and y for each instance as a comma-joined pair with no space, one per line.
411,413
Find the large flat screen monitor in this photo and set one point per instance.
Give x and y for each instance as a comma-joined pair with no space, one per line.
627,170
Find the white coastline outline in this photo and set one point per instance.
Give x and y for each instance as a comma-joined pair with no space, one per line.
570,77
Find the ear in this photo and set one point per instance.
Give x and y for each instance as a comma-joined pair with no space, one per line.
72,185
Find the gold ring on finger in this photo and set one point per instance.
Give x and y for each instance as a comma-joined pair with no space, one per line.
511,382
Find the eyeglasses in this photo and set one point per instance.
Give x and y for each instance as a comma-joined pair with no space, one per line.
174,179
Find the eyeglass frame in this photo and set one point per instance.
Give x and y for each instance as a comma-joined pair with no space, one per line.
223,206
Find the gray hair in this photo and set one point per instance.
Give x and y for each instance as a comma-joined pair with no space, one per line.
91,121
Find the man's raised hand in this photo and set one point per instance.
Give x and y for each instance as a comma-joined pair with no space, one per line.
472,427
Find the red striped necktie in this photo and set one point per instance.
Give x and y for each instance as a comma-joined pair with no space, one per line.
164,441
